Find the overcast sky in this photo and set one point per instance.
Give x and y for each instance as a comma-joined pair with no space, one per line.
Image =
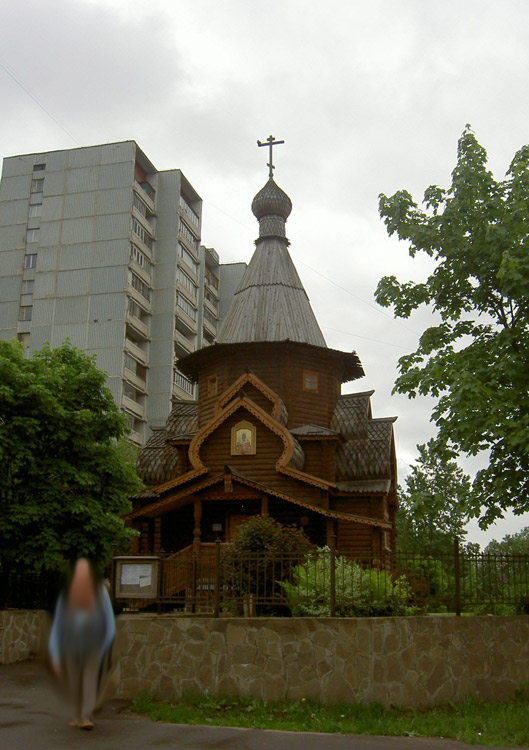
369,97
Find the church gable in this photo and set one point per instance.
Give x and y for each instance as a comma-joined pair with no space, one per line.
252,387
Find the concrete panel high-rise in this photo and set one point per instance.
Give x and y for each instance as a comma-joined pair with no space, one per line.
99,247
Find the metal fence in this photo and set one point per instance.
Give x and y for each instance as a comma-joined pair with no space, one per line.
28,589
329,582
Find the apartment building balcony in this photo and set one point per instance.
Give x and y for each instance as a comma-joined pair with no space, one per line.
140,327
183,346
211,283
139,298
134,379
189,236
209,327
140,271
183,388
136,351
145,223
189,268
189,213
211,306
183,286
135,438
133,407
147,193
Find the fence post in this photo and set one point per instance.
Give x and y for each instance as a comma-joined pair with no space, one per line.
194,584
457,578
333,574
161,573
216,606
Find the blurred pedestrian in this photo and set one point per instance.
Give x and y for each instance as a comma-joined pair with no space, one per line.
81,639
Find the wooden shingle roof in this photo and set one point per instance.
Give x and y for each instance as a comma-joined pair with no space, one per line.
369,457
157,461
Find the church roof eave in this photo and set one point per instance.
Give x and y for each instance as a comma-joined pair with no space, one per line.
191,365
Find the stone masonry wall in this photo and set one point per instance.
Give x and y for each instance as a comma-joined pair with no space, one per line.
410,661
22,634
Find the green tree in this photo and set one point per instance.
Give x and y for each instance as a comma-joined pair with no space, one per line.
476,361
434,506
511,544
63,482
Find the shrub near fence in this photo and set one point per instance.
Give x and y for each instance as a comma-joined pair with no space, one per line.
340,583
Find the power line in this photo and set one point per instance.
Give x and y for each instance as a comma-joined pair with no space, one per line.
355,296
367,338
331,281
43,108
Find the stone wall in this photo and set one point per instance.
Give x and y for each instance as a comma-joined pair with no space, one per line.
410,661
22,634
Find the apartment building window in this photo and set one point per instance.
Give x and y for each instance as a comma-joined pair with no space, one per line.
25,312
32,235
187,257
187,307
140,286
187,234
37,186
39,167
27,286
30,260
139,257
35,210
142,233
140,205
187,282
35,198
24,339
136,367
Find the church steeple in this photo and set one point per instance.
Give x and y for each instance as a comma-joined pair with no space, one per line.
270,303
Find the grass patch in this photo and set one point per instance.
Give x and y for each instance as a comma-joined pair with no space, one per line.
473,721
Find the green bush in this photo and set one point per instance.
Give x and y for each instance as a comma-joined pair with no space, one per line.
360,592
261,553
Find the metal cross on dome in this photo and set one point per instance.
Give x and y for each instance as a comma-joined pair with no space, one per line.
270,143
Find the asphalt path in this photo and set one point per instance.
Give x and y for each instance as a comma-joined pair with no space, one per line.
34,717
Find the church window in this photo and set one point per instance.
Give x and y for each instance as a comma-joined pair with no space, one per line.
212,385
310,381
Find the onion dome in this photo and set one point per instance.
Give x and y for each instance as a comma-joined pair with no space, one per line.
271,207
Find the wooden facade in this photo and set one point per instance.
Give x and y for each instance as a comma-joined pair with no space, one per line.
270,433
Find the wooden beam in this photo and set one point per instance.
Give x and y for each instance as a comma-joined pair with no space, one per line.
264,505
158,534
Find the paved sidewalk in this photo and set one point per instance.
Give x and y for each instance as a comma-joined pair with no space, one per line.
32,718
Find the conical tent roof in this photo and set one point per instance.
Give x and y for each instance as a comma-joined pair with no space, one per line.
270,303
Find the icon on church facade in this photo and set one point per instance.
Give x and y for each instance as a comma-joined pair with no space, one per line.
243,439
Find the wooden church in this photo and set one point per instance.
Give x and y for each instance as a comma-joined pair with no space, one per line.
270,433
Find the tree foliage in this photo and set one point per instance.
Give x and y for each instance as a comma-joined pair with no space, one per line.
434,506
476,361
511,544
63,483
